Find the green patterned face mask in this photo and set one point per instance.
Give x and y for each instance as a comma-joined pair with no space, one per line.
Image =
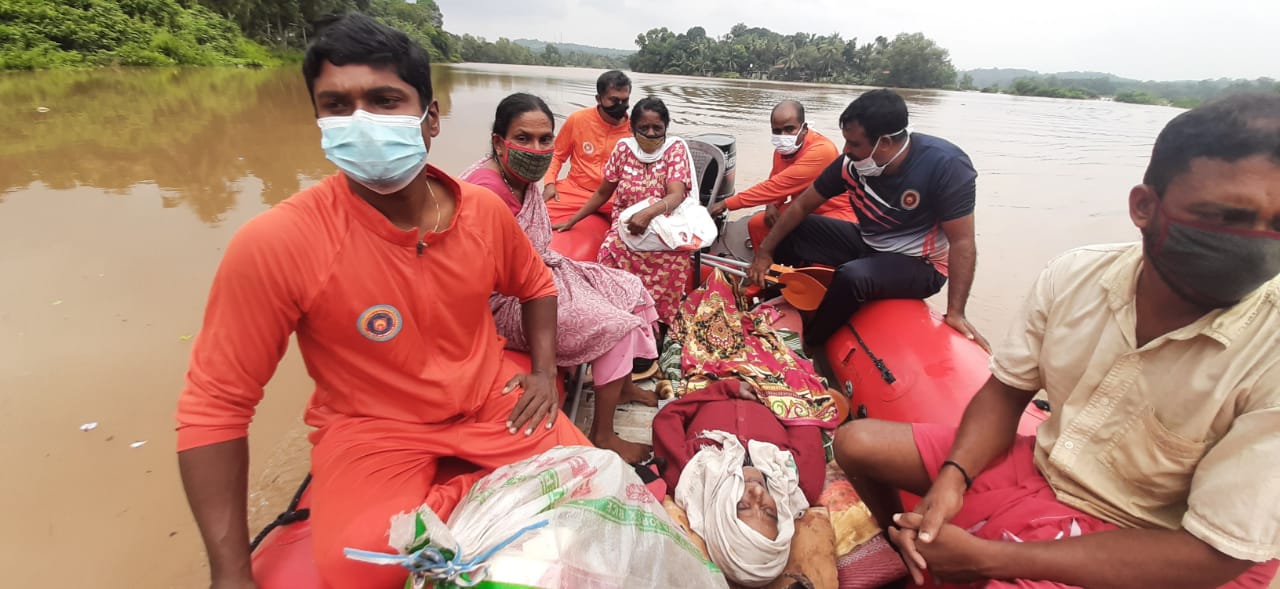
527,164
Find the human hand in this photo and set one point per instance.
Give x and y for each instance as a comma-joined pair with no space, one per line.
639,222
537,403
549,192
770,215
903,538
958,322
718,208
747,391
940,504
921,525
562,227
956,556
759,268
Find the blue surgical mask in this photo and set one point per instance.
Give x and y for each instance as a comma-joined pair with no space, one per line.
384,153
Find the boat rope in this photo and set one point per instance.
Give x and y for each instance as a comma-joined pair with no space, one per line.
291,515
431,562
885,373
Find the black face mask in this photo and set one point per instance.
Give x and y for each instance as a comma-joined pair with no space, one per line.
617,111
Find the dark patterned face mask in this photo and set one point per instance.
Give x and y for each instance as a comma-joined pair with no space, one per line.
527,164
1211,265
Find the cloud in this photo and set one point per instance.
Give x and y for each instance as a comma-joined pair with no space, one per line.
1145,39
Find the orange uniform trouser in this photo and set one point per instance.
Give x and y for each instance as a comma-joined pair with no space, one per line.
581,243
757,229
365,470
569,198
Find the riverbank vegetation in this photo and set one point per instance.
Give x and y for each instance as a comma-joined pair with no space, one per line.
909,60
1087,85
47,34
531,52
58,34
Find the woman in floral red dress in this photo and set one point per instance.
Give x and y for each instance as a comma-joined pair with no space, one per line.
655,167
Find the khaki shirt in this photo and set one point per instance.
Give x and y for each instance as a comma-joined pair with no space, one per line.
1183,432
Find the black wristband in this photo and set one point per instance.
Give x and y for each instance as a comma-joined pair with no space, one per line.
968,482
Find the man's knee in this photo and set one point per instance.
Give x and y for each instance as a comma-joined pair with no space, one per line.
340,572
855,278
864,447
855,444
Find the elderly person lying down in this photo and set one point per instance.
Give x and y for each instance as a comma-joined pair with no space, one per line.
738,474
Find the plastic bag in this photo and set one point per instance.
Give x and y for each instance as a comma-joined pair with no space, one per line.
688,228
570,518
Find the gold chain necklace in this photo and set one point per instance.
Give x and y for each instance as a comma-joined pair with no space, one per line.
422,241
502,173
434,201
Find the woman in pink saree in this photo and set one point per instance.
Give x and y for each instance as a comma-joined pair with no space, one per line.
605,315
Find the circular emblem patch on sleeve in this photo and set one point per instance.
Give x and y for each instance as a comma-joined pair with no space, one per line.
910,200
588,147
379,323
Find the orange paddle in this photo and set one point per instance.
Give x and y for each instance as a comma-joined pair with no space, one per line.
801,289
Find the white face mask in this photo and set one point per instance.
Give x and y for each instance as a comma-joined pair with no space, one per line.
869,167
788,144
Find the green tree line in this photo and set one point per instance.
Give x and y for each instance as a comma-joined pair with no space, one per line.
909,60
504,50
1184,94
48,34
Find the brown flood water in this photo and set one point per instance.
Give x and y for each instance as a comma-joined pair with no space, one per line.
115,205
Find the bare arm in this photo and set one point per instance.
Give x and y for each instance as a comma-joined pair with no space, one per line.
539,318
216,478
1119,559
639,222
963,259
593,204
538,402
806,203
676,193
987,430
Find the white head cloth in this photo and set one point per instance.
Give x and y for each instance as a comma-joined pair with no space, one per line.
709,490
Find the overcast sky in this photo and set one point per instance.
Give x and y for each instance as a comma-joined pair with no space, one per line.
1144,39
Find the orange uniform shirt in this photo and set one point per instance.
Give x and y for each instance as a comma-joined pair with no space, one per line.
791,175
385,331
588,140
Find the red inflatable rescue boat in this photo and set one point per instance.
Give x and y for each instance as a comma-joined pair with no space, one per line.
897,360
582,243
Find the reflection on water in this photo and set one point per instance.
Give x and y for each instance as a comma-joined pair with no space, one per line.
194,133
197,134
96,318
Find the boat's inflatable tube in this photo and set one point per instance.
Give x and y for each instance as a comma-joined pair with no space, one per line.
284,559
582,243
910,367
933,370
